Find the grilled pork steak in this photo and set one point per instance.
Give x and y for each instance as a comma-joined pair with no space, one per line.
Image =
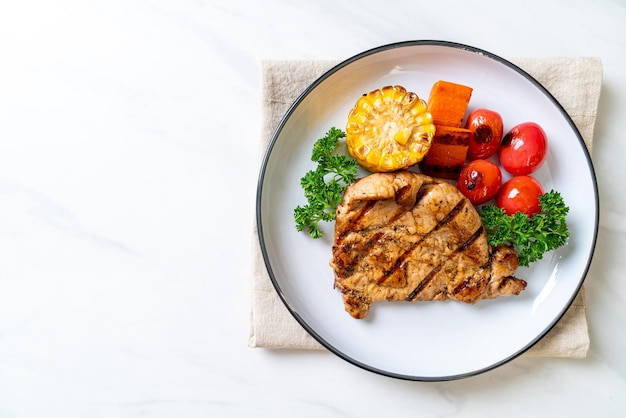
407,236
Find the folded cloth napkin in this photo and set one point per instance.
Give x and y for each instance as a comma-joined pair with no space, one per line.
574,82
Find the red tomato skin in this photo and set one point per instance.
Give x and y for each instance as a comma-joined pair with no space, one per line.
488,128
520,194
524,149
480,181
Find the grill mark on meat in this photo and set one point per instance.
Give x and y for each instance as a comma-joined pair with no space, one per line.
396,216
358,253
423,192
401,260
422,285
477,234
429,277
416,243
471,239
352,224
448,218
366,208
402,193
363,251
355,224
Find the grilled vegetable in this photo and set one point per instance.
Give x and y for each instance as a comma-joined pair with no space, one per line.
488,129
389,129
524,149
447,152
520,194
480,181
448,103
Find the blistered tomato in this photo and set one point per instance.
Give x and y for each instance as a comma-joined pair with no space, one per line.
520,193
480,181
487,128
524,149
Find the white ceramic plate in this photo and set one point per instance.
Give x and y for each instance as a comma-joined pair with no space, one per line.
424,340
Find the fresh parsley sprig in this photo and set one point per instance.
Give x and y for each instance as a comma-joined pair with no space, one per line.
532,236
324,186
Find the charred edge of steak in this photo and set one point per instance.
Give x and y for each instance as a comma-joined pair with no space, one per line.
508,279
356,304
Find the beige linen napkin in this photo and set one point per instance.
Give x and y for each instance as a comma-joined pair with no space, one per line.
574,82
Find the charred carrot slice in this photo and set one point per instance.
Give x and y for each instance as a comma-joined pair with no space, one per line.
447,152
448,103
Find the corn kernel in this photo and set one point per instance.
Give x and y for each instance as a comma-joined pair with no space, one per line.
389,129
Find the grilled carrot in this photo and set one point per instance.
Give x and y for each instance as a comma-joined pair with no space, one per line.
447,152
448,103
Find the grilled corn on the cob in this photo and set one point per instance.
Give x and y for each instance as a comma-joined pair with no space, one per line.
389,129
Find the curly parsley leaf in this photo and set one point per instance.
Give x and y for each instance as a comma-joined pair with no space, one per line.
323,187
532,236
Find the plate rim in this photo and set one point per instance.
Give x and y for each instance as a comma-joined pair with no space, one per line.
317,82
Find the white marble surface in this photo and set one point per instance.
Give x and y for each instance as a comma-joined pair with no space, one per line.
128,167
